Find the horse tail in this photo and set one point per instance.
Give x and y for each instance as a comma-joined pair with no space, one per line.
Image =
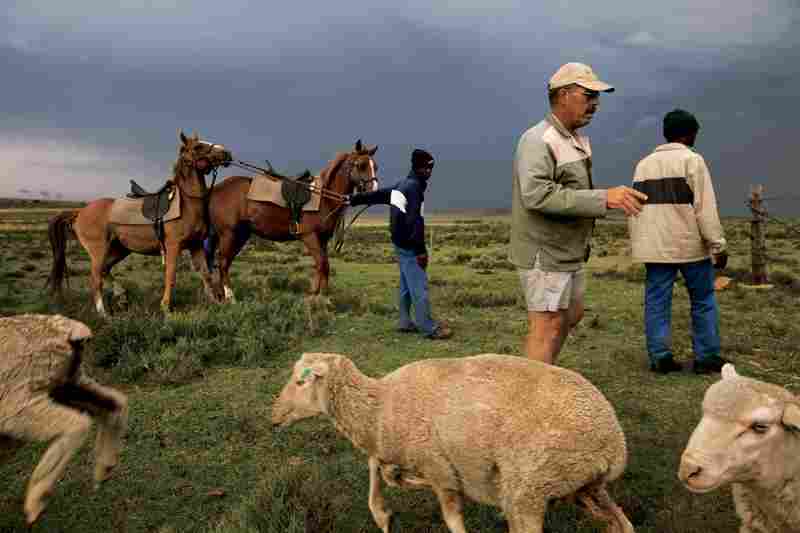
57,232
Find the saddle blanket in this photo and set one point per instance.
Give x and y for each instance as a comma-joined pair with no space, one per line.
264,189
129,211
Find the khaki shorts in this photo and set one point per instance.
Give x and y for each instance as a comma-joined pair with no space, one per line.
551,291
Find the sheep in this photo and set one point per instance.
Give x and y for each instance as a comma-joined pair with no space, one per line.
497,429
44,395
748,437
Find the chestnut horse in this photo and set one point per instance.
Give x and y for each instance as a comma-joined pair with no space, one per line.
235,217
107,243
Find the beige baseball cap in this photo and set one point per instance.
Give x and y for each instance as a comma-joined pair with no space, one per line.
579,74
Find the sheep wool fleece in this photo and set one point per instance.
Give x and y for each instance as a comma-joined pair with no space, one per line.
36,358
497,429
43,393
496,418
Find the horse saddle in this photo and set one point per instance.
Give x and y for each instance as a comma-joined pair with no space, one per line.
154,204
296,191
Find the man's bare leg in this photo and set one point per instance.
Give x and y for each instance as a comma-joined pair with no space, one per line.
574,316
546,333
548,330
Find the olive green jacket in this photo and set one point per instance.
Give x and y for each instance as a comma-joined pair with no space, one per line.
554,203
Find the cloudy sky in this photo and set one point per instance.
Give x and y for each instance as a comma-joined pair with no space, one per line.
93,92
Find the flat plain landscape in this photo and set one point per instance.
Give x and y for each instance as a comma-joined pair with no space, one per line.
200,454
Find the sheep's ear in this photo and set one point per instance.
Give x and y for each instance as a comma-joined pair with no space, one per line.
728,371
313,372
79,332
791,416
319,369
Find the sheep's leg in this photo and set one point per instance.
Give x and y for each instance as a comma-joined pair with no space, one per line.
110,408
111,426
599,504
380,514
452,505
43,420
526,514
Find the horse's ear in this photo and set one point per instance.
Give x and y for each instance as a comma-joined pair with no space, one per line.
371,151
182,137
359,147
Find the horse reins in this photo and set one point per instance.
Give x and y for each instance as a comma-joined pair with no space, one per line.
340,233
315,189
341,199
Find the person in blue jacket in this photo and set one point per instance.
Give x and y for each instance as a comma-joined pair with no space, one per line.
407,221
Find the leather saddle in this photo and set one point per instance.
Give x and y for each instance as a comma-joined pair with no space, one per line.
155,204
296,192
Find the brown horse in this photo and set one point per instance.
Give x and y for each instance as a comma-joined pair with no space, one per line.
108,243
235,217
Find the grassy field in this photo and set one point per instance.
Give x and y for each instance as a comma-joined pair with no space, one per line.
200,454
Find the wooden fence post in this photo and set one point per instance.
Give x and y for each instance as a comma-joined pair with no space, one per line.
758,245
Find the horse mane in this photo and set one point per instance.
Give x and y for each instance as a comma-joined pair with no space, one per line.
332,168
177,165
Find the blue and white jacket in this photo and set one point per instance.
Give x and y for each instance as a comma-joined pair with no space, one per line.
407,218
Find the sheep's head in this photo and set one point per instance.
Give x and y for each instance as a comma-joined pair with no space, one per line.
748,433
306,393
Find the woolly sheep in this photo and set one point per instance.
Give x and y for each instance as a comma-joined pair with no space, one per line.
497,429
43,396
748,436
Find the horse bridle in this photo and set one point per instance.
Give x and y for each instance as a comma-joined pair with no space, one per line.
372,178
213,171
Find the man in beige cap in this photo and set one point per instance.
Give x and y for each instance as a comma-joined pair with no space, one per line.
554,206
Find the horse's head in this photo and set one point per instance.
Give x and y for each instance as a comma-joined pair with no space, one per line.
202,156
363,168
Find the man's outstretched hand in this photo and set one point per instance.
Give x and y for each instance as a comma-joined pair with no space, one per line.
625,198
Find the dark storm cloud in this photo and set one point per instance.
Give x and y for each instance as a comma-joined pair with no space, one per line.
94,93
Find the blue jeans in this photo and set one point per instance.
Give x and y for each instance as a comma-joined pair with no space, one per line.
699,277
413,290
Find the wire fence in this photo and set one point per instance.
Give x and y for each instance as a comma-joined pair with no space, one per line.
782,197
788,225
763,213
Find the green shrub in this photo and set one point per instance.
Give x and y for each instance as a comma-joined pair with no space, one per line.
176,348
301,497
481,298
